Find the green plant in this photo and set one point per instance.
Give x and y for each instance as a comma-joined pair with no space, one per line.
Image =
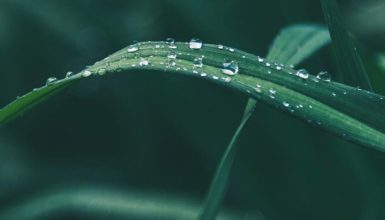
353,114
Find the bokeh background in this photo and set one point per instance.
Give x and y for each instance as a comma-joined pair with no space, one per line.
152,134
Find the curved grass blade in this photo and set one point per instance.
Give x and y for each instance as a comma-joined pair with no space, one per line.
297,42
106,202
293,45
350,63
355,114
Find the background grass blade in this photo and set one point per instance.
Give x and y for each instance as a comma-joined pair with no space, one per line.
99,203
293,45
348,112
350,63
297,42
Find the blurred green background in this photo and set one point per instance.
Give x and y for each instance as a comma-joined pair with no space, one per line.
158,134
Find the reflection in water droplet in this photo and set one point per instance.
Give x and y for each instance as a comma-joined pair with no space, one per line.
324,76
195,43
230,67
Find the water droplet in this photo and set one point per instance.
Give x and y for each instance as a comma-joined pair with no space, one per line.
143,62
230,67
272,91
50,80
334,94
102,71
69,74
86,73
260,59
198,62
171,55
278,67
267,64
302,73
132,48
231,49
220,46
226,79
171,43
215,77
324,76
195,43
286,104
203,74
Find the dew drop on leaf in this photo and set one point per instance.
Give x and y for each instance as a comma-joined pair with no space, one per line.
324,76
230,67
132,48
86,73
69,74
50,80
171,43
220,46
195,44
143,62
198,62
302,73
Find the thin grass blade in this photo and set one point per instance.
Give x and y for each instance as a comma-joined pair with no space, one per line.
351,67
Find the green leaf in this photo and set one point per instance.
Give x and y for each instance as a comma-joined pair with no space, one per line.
355,114
297,42
349,61
293,45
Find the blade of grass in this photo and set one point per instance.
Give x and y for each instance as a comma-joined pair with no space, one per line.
116,204
355,114
350,64
297,42
293,45
219,183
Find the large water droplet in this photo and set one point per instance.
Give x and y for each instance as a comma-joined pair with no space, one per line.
50,80
302,73
132,48
230,67
143,62
195,43
324,76
198,62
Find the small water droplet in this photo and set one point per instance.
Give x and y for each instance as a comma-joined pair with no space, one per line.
198,62
272,93
334,94
143,62
286,104
171,43
260,59
132,48
267,64
278,67
220,46
231,49
102,71
324,76
230,67
302,73
69,74
203,74
226,79
50,80
86,73
195,43
215,77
